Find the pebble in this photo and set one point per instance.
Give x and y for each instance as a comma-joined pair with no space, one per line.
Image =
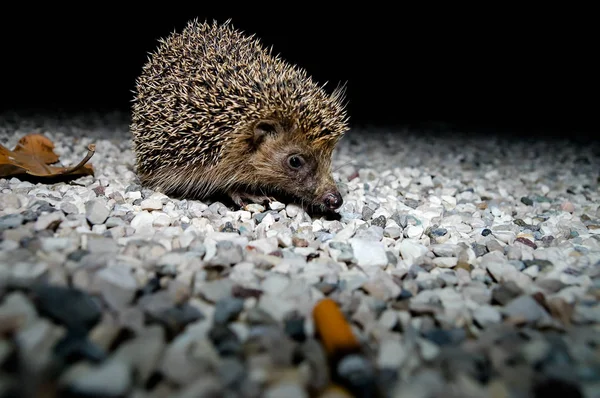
461,270
96,211
111,379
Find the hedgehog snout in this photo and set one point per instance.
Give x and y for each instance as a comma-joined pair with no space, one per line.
333,200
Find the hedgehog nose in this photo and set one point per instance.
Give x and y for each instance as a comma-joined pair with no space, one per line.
333,200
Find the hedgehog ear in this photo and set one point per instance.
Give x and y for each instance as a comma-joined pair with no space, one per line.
263,128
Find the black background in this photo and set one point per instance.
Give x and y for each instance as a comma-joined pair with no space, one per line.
531,72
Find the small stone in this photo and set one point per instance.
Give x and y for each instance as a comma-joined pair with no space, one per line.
294,327
505,292
227,309
48,221
479,250
112,222
367,213
69,208
368,253
526,201
151,204
110,379
494,245
486,232
276,206
379,222
437,232
567,206
214,291
254,208
96,211
288,389
410,251
486,315
392,354
71,307
10,221
117,285
526,242
525,308
445,262
142,221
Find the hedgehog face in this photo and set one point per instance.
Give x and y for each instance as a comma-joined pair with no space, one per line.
283,160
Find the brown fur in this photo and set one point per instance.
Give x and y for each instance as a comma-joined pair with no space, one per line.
216,113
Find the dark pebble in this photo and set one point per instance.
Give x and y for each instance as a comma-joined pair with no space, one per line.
10,221
77,255
367,213
547,240
437,232
479,250
29,215
41,206
431,284
542,264
486,232
225,340
357,374
379,221
404,294
504,293
387,379
153,285
413,271
133,188
326,288
136,202
270,340
227,309
174,319
396,218
245,292
413,204
99,190
526,201
540,198
256,316
228,227
572,271
294,327
260,216
146,193
444,337
75,309
117,197
391,258
343,246
232,372
519,265
527,242
73,348
455,360
555,387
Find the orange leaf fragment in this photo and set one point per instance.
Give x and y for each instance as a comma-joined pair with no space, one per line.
32,156
39,146
334,330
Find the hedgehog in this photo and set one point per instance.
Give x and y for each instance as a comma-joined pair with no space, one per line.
216,112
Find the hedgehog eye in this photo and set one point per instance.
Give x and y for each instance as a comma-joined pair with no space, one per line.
295,161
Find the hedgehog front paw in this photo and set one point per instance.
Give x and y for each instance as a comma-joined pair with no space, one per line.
243,199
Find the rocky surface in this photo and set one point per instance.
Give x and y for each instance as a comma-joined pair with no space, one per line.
467,268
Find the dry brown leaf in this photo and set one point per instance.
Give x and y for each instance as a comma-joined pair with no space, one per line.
39,146
32,156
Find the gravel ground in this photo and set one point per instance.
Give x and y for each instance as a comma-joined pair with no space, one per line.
468,267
